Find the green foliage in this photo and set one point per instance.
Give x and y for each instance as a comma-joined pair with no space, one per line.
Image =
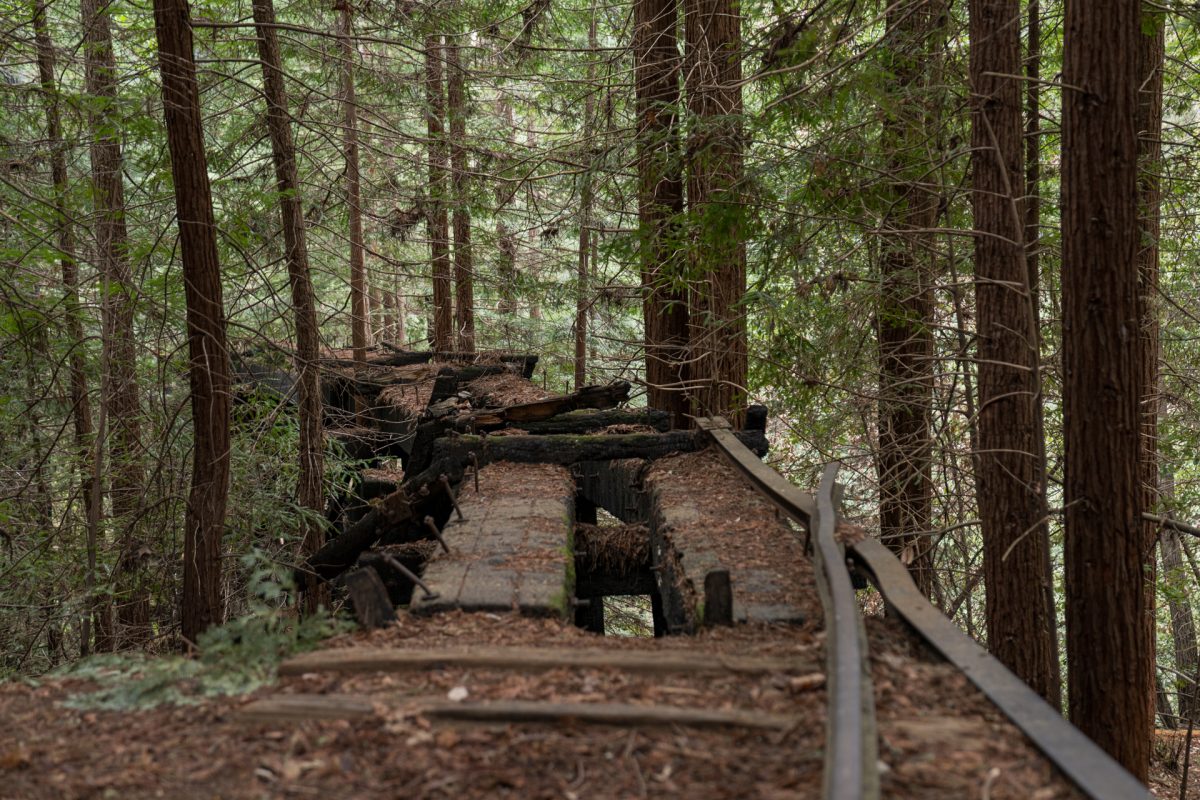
234,658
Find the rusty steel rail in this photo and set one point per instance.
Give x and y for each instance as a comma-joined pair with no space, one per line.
851,771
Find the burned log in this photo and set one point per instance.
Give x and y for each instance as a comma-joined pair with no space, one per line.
527,414
452,454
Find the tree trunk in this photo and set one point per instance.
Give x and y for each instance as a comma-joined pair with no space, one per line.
464,263
310,492
906,295
81,407
1151,51
1105,550
208,370
585,214
1012,507
660,205
1033,233
1183,624
120,386
358,278
713,56
439,245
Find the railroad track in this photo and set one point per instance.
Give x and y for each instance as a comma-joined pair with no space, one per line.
851,771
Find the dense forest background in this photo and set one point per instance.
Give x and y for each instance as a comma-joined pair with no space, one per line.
512,131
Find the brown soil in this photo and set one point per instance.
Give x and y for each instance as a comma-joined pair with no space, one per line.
940,738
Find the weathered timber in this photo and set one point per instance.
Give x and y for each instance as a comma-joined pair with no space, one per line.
519,659
718,598
412,556
372,606
509,551
691,538
450,455
578,422
395,514
622,714
450,378
303,707
527,415
589,614
614,486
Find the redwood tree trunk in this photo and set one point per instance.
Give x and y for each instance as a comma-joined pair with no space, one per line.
1012,507
120,387
310,492
713,56
660,204
81,407
905,314
464,265
1108,642
208,370
439,245
358,278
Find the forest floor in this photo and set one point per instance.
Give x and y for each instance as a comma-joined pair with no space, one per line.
938,738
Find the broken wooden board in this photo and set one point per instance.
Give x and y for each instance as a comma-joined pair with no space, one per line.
623,714
511,550
302,707
658,662
703,520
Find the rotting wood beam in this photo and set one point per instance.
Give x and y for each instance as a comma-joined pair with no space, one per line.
360,660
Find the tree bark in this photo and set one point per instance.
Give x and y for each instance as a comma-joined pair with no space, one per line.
120,385
1105,550
358,278
208,370
905,312
439,245
464,263
660,205
310,493
1012,507
713,66
81,407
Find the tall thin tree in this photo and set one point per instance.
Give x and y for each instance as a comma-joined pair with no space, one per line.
310,492
582,288
208,367
713,69
464,261
1151,53
905,315
1105,548
81,404
118,303
438,224
358,277
1012,505
660,204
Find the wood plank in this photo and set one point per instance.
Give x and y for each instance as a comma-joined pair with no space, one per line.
355,659
302,707
623,714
